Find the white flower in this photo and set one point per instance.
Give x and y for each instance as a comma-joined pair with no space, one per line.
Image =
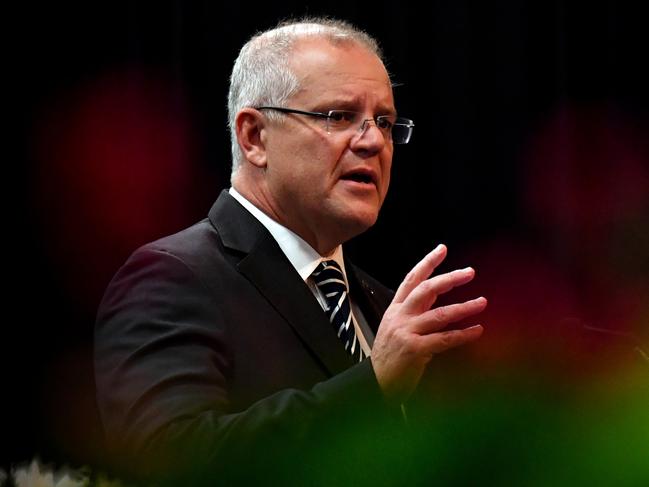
35,477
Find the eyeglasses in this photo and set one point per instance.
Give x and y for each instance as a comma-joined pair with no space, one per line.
394,128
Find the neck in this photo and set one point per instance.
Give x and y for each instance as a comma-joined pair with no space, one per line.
323,246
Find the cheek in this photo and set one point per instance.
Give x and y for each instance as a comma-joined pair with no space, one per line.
288,162
323,160
315,148
386,170
386,185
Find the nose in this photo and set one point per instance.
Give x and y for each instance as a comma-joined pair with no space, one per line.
369,138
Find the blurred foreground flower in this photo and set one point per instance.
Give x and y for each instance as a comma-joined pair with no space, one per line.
36,475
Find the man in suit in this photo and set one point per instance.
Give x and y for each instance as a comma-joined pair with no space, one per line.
221,352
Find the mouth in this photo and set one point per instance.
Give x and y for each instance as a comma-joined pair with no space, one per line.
361,175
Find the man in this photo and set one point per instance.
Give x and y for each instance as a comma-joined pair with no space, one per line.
247,345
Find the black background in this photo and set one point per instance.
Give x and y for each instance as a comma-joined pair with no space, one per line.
481,80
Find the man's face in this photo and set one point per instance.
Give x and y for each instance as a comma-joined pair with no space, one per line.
329,187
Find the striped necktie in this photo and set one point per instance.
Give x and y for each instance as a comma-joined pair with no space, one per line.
330,280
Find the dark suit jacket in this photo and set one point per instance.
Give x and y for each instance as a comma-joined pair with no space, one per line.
213,359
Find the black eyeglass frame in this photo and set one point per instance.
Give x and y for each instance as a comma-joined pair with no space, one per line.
402,122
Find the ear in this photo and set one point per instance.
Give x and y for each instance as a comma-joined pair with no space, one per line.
251,128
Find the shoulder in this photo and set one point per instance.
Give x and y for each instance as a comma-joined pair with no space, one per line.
188,261
195,246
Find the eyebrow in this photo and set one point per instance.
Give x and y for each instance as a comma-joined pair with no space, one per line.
352,104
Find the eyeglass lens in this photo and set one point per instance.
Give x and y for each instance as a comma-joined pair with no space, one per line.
398,129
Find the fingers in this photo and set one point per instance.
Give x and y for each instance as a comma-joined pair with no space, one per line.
439,318
420,272
411,331
425,294
441,341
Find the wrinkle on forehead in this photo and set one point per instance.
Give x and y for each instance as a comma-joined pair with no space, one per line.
323,57
320,50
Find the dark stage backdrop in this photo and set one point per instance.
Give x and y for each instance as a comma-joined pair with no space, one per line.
530,160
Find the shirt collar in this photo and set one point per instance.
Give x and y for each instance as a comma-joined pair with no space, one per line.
300,254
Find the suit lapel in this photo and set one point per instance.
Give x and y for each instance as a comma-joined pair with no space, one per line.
370,296
267,268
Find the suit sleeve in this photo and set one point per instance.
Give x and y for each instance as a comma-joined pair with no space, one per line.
162,365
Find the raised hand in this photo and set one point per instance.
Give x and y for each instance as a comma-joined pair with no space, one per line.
412,331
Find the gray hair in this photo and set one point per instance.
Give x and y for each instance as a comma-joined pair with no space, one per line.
262,75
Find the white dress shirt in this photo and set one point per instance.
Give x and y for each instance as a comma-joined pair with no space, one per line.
305,259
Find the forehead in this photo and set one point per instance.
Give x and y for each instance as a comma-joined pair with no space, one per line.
344,72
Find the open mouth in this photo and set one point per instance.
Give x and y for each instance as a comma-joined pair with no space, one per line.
361,176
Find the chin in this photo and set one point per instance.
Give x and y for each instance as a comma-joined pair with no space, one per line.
350,219
360,221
